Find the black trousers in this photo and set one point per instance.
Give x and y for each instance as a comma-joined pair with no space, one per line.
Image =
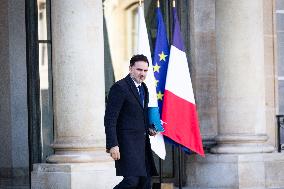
133,182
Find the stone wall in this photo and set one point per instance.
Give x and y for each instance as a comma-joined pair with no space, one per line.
14,157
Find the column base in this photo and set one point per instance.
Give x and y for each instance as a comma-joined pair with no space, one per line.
76,150
242,148
236,171
241,144
78,156
99,175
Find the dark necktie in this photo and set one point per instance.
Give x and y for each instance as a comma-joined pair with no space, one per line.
141,94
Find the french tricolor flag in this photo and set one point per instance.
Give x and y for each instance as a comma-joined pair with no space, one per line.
179,113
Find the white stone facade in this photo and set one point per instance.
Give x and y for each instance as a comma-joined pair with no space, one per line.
237,72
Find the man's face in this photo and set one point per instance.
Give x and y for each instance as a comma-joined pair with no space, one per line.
139,71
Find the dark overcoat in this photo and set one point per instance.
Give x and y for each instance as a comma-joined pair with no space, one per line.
126,126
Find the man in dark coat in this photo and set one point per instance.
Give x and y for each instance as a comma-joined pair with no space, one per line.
127,128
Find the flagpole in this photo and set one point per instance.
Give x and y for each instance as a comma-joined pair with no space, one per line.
179,147
160,160
179,168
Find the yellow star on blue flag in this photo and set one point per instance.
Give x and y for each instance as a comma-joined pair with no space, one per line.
160,95
162,56
156,68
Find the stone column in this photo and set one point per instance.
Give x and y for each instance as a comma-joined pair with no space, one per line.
241,156
203,56
78,81
240,77
80,160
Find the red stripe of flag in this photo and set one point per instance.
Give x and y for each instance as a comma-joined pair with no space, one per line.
181,122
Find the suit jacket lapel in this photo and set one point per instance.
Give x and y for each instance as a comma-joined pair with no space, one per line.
133,89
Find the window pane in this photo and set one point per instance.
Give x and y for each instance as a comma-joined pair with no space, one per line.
46,99
48,19
42,20
121,18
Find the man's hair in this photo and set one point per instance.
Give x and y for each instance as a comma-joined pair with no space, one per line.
138,57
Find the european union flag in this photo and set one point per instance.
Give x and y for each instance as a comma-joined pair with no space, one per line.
161,58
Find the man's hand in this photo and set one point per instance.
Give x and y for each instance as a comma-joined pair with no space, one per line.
114,153
152,132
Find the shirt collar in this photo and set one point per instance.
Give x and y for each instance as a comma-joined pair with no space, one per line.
136,84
